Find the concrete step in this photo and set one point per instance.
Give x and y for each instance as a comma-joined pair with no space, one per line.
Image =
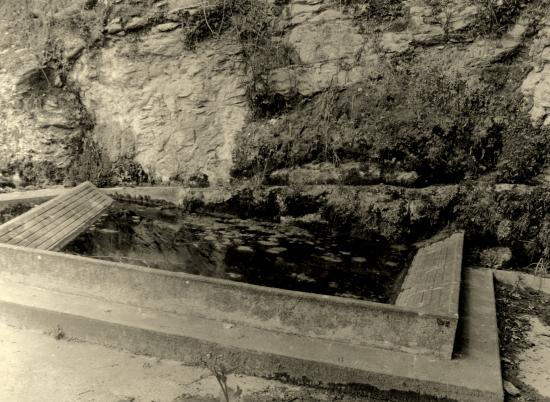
473,375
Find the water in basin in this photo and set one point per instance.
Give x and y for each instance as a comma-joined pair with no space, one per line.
256,252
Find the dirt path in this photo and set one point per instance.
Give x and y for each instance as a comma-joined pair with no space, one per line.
49,368
524,332
534,366
38,366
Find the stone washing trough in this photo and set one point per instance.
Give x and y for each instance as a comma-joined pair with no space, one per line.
405,347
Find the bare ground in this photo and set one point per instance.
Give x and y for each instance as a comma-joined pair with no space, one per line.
524,330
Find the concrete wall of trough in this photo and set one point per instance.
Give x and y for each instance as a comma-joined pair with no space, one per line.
325,317
33,196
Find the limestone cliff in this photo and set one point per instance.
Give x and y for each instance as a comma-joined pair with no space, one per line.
190,89
174,111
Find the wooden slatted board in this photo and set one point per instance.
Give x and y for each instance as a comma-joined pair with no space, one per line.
432,284
52,225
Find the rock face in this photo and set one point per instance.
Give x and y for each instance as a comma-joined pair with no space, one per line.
332,52
173,110
537,84
177,111
496,257
34,127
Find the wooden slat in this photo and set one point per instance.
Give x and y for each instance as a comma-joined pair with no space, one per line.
35,226
70,225
37,232
58,212
432,284
42,211
55,223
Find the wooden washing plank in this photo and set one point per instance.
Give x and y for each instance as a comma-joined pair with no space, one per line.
83,218
58,212
42,211
432,284
35,225
55,223
37,231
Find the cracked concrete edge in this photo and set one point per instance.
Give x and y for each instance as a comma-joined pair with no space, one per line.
192,351
332,318
480,360
513,278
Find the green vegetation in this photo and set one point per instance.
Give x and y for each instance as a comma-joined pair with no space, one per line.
37,172
10,212
413,117
497,15
516,218
253,24
92,164
374,10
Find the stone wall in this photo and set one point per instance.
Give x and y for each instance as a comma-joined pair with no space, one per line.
536,86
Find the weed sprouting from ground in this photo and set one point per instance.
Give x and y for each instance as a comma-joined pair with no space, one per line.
58,333
220,372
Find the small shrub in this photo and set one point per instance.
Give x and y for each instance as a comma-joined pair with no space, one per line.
58,333
127,171
376,10
496,16
89,162
220,372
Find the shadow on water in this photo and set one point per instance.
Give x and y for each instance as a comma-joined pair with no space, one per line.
261,253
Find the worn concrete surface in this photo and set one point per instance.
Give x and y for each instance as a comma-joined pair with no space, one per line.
35,196
432,285
35,366
331,318
513,278
474,375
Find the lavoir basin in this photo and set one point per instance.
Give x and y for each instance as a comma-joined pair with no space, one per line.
274,298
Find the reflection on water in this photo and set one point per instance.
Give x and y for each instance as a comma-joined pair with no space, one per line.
261,253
